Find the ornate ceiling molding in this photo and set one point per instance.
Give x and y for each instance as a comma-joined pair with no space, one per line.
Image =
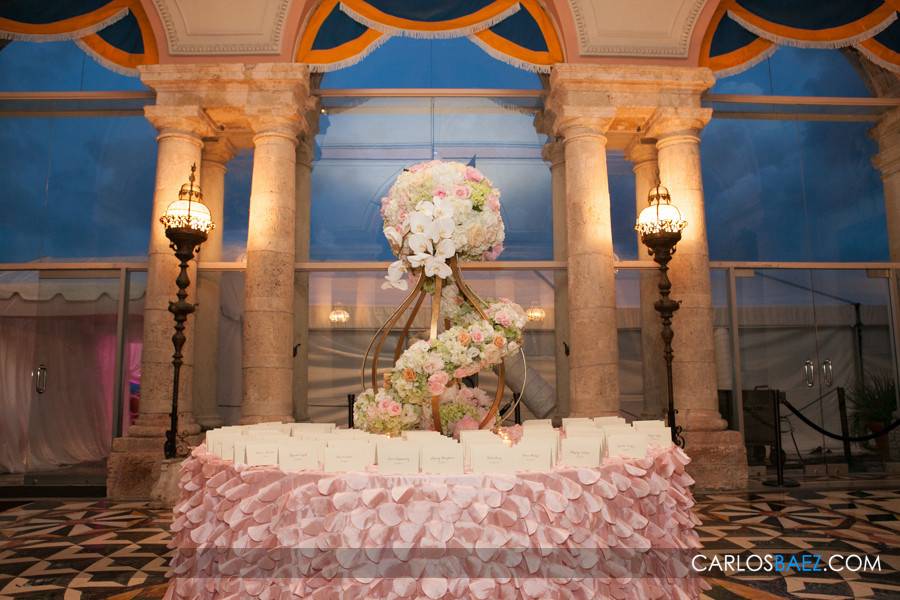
224,27
645,28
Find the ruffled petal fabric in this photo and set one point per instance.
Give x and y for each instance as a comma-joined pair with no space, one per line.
258,532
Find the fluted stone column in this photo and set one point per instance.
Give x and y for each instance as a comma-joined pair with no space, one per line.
653,366
305,155
215,157
719,455
594,354
134,461
887,161
554,153
269,283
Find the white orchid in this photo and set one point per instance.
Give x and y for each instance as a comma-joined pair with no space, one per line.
442,207
394,278
437,267
420,244
425,207
445,249
421,223
417,260
393,236
442,229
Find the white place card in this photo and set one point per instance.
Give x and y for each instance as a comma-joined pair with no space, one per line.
301,455
490,458
442,459
660,437
653,424
262,453
599,421
348,455
570,420
626,445
413,434
240,450
536,454
580,451
540,435
299,428
398,457
540,423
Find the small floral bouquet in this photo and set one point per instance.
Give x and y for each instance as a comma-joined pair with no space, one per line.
436,210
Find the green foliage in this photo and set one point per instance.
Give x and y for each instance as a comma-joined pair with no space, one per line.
872,401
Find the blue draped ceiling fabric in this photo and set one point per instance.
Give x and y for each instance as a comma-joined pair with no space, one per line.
116,33
745,32
340,33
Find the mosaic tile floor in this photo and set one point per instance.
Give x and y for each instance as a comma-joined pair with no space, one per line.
99,549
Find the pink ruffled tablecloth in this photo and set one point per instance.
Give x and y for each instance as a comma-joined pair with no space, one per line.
623,530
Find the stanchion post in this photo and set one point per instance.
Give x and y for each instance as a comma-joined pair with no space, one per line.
351,400
845,427
779,481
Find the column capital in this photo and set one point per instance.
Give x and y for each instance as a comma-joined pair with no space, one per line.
640,152
266,121
672,122
189,120
554,153
570,124
218,150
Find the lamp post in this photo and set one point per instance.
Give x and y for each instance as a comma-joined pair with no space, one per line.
660,225
187,222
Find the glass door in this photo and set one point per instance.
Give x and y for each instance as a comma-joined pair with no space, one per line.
70,417
779,351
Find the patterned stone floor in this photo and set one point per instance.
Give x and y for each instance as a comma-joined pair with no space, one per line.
99,549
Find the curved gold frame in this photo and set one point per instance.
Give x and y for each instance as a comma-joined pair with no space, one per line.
417,295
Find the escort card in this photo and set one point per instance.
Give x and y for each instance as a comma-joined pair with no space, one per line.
608,420
540,435
348,455
299,428
580,451
654,424
414,434
262,453
490,458
626,445
569,420
442,459
541,423
301,455
660,437
398,457
536,454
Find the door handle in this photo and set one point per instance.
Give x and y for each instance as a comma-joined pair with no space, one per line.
828,373
40,378
809,373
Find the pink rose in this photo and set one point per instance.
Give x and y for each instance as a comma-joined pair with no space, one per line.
503,318
473,174
494,252
440,192
461,191
477,336
467,423
437,383
394,409
466,371
493,202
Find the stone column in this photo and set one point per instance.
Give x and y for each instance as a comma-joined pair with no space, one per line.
718,455
594,351
653,368
133,464
215,157
554,153
269,281
305,155
887,161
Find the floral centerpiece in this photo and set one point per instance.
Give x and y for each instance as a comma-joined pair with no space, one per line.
437,212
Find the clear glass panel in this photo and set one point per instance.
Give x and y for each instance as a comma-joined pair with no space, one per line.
786,190
76,187
779,351
628,310
623,208
365,143
57,66
336,350
131,353
452,63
